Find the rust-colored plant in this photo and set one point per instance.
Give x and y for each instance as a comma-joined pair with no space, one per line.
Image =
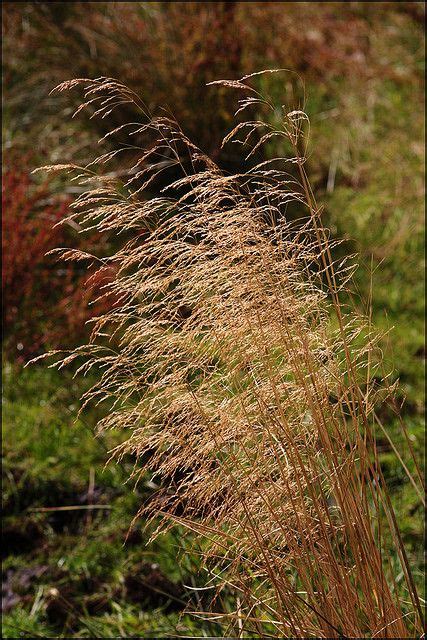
243,382
45,304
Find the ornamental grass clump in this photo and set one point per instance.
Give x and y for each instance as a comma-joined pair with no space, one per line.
245,386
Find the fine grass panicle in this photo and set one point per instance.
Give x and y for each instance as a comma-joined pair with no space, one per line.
244,383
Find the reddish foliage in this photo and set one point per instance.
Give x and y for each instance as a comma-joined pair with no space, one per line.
45,302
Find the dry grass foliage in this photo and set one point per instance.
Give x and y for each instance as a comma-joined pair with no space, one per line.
242,381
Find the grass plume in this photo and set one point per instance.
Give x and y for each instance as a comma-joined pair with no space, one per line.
245,385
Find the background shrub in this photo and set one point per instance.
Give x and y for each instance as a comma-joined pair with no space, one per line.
45,304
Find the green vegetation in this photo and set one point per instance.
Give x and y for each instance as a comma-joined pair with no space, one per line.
79,572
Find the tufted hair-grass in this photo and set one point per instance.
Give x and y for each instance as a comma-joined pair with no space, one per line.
244,384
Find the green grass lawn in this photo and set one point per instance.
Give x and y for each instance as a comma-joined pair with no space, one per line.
77,572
